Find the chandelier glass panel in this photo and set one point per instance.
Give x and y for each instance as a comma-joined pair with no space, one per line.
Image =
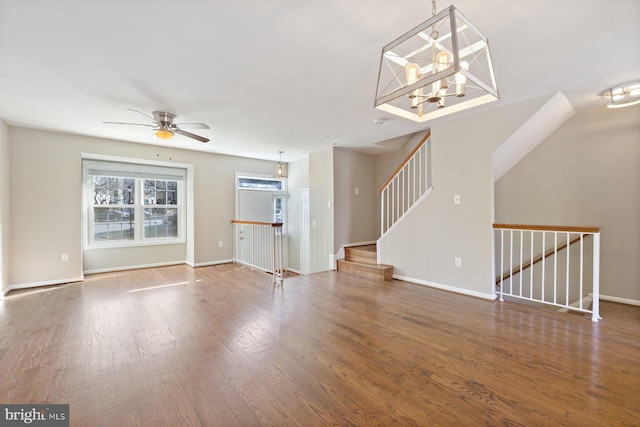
440,67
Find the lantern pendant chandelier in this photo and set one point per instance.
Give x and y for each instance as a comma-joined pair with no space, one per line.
281,168
442,66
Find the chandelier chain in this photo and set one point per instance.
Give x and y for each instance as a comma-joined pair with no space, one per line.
434,33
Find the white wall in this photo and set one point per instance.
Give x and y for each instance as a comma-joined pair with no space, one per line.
5,224
355,214
298,179
422,248
321,212
586,173
46,198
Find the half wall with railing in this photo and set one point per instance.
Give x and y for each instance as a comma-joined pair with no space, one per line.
407,185
259,245
552,265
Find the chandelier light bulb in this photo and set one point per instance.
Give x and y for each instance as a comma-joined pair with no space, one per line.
624,95
461,80
412,71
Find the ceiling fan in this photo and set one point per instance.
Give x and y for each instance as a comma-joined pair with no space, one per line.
163,125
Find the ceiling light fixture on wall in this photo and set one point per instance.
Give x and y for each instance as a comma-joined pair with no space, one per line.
281,168
440,67
623,95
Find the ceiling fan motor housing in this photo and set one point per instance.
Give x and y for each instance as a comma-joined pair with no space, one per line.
163,117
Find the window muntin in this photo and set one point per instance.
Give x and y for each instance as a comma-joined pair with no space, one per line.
128,208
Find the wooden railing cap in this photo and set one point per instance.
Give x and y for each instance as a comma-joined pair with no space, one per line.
565,228
269,224
404,162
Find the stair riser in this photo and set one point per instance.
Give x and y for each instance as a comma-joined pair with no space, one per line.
356,255
371,272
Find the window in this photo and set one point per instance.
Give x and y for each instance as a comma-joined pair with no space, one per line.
253,183
130,204
161,220
113,214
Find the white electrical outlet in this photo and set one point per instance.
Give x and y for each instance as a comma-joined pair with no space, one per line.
357,191
220,244
456,199
458,262
64,257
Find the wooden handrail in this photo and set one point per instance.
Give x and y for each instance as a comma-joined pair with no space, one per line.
565,228
272,224
404,162
537,260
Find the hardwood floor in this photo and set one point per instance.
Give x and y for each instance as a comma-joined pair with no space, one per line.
222,346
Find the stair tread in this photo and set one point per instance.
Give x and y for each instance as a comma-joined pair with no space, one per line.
366,264
368,248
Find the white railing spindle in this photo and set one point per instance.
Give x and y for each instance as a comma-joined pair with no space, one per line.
260,245
580,289
405,188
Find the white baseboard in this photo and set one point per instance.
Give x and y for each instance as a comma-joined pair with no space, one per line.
206,264
45,283
446,287
294,271
134,267
620,300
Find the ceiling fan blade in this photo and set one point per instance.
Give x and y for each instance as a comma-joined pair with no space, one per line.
190,135
141,113
193,125
132,124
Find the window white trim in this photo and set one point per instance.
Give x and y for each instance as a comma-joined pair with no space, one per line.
153,169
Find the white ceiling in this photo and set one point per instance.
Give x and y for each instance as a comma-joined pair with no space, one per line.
291,75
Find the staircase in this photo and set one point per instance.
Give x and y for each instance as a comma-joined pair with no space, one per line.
361,261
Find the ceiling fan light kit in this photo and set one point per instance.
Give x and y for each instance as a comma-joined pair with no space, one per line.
624,95
163,134
440,67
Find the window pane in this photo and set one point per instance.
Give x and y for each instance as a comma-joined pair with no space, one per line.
160,223
111,190
171,198
161,197
149,192
113,224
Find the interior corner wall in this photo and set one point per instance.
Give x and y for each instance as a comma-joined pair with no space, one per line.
46,205
587,173
355,196
5,225
321,208
422,247
298,179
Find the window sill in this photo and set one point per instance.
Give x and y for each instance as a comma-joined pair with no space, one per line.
115,245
